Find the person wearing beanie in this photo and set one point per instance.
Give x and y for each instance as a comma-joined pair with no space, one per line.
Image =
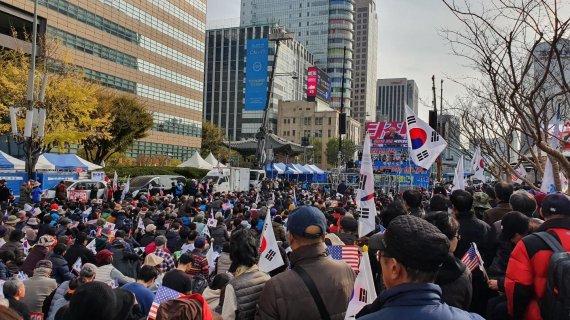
79,250
333,279
107,273
525,280
200,261
39,286
39,251
63,293
408,274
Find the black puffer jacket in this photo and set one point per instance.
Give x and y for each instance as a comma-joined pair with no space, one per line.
455,282
220,234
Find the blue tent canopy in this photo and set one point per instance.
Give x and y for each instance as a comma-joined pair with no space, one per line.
66,162
11,163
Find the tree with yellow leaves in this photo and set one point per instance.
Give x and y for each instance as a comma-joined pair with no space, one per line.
70,101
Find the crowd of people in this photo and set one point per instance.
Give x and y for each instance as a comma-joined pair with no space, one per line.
191,254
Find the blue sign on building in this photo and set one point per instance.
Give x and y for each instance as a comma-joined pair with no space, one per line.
256,74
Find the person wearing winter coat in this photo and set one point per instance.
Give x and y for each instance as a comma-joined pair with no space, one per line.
60,271
79,250
124,258
278,229
173,240
40,251
220,234
148,237
107,273
36,193
39,286
224,261
61,192
25,195
454,278
408,274
64,292
15,245
5,258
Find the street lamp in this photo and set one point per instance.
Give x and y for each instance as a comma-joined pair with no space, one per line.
35,117
278,34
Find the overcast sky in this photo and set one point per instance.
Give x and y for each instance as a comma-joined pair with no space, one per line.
409,42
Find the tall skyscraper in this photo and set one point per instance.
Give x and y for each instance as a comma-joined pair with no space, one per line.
153,49
324,27
392,96
365,61
224,94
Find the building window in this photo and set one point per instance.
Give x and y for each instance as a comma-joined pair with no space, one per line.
318,121
307,133
307,122
329,132
293,133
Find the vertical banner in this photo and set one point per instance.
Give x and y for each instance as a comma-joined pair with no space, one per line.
256,74
312,78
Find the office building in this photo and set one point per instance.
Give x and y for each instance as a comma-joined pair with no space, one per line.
224,97
153,49
324,27
392,96
365,61
314,120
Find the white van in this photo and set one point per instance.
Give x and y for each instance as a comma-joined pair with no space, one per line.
79,185
234,179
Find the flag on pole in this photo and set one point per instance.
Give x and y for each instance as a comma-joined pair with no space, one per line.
520,173
364,292
346,253
548,185
77,265
294,197
163,294
424,143
26,245
270,256
366,207
126,190
212,256
140,225
115,181
478,165
459,178
472,259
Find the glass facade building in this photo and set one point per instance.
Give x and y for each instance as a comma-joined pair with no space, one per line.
324,27
224,96
392,96
153,49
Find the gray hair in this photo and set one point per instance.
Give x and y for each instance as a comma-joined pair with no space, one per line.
523,202
11,287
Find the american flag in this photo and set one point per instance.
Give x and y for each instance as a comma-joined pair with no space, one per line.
472,258
347,253
163,294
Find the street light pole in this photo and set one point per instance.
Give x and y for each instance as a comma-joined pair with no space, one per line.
277,36
342,119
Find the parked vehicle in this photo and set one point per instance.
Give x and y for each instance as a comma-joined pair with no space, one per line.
78,185
234,179
153,185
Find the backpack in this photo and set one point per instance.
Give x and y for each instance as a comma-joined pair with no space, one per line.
199,284
555,304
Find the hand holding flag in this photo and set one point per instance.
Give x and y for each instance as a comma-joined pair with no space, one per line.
270,256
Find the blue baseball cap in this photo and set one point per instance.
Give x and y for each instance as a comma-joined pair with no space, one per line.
306,216
556,203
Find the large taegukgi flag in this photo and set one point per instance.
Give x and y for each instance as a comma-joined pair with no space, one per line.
366,206
425,143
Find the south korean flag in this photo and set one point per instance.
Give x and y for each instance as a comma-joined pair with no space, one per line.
424,143
364,292
270,258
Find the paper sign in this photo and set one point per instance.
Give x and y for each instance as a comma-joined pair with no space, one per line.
78,195
98,176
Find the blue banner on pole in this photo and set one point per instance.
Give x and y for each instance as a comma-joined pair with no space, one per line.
256,74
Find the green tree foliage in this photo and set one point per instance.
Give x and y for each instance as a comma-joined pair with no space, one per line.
129,121
213,141
348,149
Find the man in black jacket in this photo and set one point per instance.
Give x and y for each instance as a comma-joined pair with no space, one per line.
474,230
79,250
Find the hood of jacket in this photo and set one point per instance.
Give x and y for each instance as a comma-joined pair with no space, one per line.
451,269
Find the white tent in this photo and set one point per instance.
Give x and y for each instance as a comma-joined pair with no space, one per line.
213,161
196,161
11,163
54,161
